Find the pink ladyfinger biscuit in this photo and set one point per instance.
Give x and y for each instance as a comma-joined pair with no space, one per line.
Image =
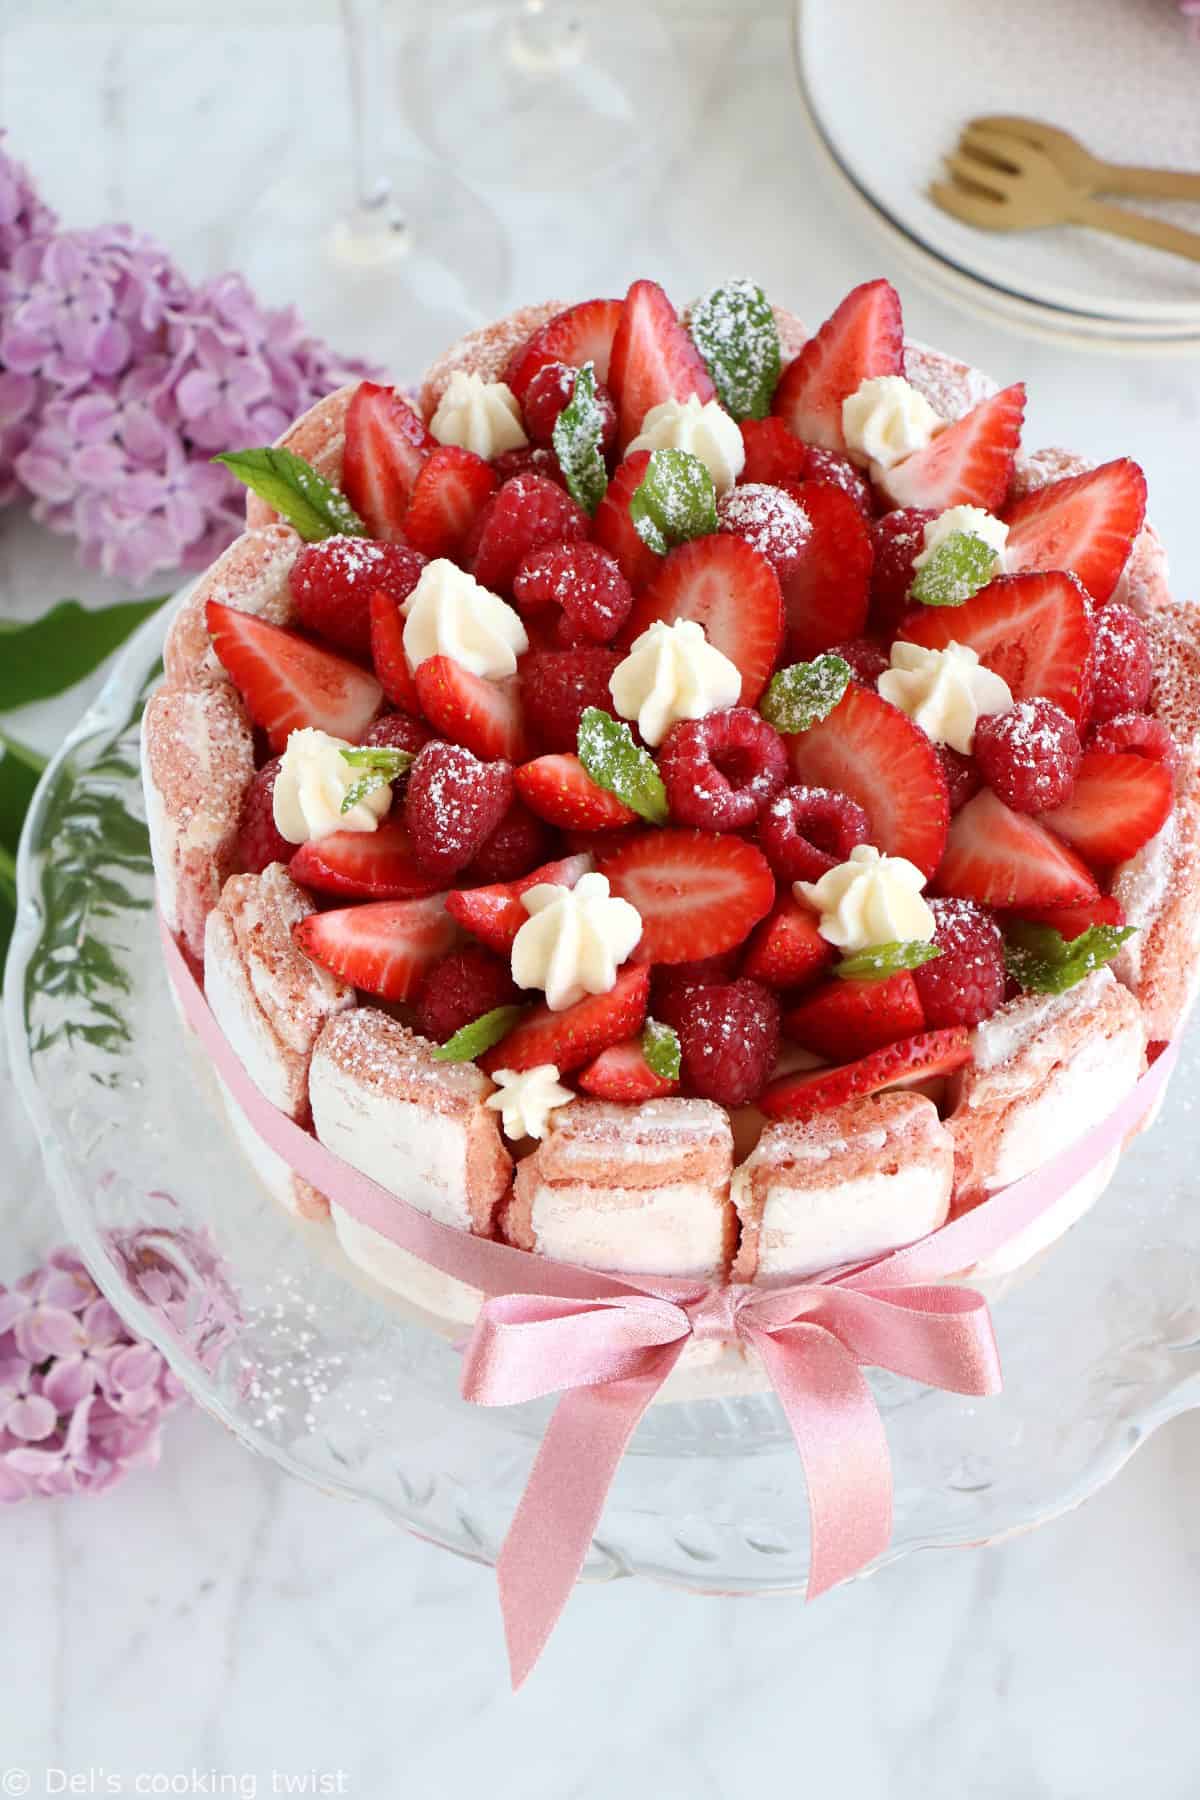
253,576
629,1189
197,762
485,352
951,387
1144,579
319,436
1159,889
846,1185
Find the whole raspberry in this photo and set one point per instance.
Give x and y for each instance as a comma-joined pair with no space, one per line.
458,988
806,831
584,581
396,731
530,459
774,454
547,394
522,515
966,982
519,843
556,688
867,659
259,840
452,805
899,538
332,583
1139,734
674,984
963,780
1029,755
769,520
729,1039
1121,666
837,471
720,771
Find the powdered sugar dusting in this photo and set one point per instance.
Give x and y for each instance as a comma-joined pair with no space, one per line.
769,520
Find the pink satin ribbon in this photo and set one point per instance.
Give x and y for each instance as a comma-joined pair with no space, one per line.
607,1345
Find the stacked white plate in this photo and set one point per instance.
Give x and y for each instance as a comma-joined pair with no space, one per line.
887,88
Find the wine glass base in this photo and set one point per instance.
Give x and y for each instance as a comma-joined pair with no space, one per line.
393,281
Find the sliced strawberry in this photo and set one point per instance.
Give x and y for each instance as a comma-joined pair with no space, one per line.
560,790
573,1037
1003,858
386,444
383,948
698,892
775,456
1070,921
827,587
787,950
869,750
485,716
968,463
614,530
862,338
845,1019
1034,630
1085,523
447,498
732,591
288,683
622,1073
364,865
653,359
581,334
913,1059
1119,802
387,653
495,915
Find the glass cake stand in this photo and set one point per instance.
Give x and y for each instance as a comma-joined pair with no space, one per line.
313,1370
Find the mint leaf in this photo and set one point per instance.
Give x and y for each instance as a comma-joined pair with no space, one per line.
578,433
470,1041
674,501
734,329
805,693
293,487
882,960
383,763
660,1047
1042,961
615,763
52,653
958,568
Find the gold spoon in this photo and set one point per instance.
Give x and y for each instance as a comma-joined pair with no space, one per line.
1082,169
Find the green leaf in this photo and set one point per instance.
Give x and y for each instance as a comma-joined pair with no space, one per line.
958,568
470,1041
578,434
293,487
52,653
383,763
882,960
660,1047
674,502
20,771
734,329
805,693
8,899
1042,961
615,763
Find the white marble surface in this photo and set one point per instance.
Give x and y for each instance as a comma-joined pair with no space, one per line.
214,1619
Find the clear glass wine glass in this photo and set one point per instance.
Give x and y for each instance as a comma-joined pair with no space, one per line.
390,258
541,93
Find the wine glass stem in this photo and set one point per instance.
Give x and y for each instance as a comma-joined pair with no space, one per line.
361,28
545,36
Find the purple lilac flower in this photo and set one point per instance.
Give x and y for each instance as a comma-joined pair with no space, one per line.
22,214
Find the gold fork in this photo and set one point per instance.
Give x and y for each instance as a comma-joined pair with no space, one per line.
1002,185
1081,168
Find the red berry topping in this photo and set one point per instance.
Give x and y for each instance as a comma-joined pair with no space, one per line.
806,831
675,983
622,1073
969,463
574,1037
966,982
1123,668
832,470
898,538
452,805
825,591
1119,803
529,459
720,771
560,790
698,892
584,581
963,780
729,1039
365,865
912,1059
1070,921
1139,733
287,682
787,949
614,529
845,1019
557,686
1003,858
483,715
449,495
383,948
729,589
459,988
1029,755
396,731
259,840
387,653
523,515
495,914
581,334
1085,523
864,337
774,455
386,444
519,843
653,359
769,520
332,583
867,658
547,394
